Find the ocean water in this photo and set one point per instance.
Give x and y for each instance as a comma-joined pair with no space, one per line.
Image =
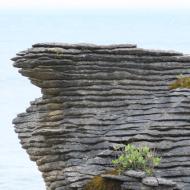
20,29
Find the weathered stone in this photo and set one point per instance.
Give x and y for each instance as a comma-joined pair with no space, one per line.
165,182
96,97
136,174
119,178
131,186
150,181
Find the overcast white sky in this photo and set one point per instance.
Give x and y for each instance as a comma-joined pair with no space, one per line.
93,4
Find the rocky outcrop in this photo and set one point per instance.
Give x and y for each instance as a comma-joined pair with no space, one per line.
95,97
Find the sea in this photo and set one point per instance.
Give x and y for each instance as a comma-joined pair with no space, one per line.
19,29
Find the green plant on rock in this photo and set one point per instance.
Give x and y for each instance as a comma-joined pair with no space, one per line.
181,82
136,158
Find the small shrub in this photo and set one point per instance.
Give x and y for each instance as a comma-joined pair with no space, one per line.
136,158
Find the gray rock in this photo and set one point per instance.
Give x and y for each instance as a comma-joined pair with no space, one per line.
136,174
119,178
131,186
95,97
150,181
166,182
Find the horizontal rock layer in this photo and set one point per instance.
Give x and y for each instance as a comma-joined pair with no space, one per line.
132,180
95,97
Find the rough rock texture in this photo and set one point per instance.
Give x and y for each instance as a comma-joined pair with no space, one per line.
94,97
133,180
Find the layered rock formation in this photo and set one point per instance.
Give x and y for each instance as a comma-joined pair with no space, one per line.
95,97
133,180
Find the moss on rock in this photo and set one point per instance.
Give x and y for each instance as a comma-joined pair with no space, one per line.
100,183
182,82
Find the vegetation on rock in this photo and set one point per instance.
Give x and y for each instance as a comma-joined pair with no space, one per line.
100,183
136,158
181,82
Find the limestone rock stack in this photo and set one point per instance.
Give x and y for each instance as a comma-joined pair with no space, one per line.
95,97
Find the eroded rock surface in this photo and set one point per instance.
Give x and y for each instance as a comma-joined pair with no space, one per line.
133,180
94,97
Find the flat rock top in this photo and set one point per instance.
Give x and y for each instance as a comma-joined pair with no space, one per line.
83,49
84,45
89,46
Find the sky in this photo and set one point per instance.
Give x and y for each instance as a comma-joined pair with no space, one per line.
94,4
